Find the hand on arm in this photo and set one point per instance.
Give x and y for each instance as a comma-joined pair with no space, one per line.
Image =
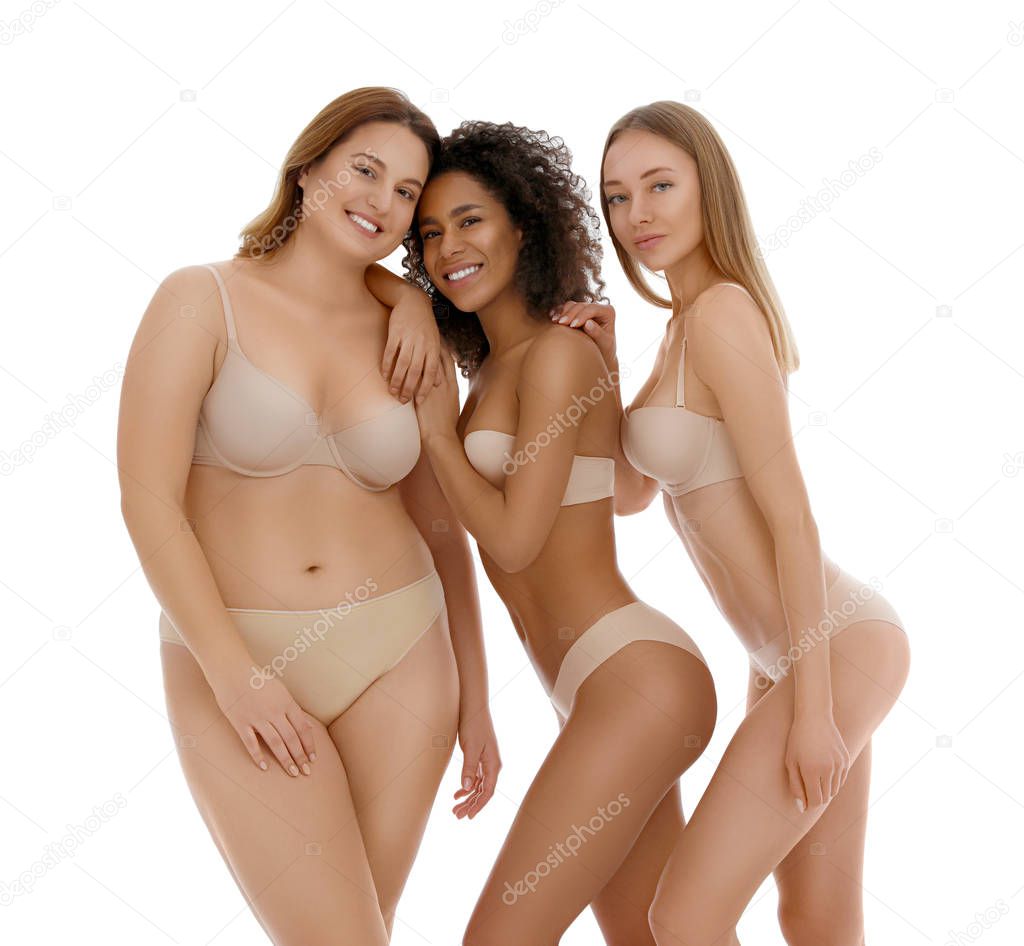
412,360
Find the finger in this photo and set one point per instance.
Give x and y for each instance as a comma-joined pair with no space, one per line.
277,746
568,311
488,784
402,363
429,380
300,719
581,315
390,350
796,787
291,740
415,373
252,746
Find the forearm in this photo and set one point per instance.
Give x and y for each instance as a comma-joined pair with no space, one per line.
454,563
801,575
180,576
480,507
387,287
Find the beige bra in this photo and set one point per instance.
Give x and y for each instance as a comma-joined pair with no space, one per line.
681,449
591,478
257,426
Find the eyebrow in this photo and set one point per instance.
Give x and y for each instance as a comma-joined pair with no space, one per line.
642,176
376,160
457,212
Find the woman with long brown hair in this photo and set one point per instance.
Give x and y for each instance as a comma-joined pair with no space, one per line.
710,430
320,628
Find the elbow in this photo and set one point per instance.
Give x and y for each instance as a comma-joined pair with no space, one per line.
515,555
795,525
631,498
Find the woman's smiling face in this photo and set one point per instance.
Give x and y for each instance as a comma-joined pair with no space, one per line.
470,244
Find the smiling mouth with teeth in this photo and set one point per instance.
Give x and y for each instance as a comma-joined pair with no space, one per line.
363,222
460,274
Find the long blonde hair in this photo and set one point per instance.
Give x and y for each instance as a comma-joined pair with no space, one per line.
728,232
267,233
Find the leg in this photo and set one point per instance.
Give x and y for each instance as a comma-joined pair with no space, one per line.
746,823
292,844
621,908
820,892
639,720
396,741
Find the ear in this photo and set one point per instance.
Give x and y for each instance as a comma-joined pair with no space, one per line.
303,175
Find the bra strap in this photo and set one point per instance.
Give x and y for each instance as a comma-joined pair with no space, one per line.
680,382
225,301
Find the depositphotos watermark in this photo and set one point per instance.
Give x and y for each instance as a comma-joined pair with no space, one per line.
310,634
562,421
564,849
821,631
61,850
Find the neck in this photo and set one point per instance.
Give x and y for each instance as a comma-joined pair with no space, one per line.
690,276
506,322
312,270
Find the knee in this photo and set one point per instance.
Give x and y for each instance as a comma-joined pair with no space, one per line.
667,920
836,927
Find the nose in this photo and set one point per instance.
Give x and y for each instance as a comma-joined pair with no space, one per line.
639,213
451,245
379,199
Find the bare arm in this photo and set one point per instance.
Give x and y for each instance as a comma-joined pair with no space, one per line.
513,523
412,355
733,355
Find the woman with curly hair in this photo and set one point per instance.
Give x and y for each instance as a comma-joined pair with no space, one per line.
710,430
503,232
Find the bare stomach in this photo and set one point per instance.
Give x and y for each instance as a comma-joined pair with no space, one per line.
574,581
729,543
307,539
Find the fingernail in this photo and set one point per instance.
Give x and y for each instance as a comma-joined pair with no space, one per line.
800,806
574,323
263,765
293,769
312,757
306,768
467,782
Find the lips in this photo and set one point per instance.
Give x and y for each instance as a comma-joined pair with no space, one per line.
457,275
360,220
648,241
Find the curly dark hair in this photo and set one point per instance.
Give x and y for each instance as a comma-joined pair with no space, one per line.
530,173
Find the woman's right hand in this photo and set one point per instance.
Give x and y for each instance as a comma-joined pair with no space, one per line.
597,320
269,711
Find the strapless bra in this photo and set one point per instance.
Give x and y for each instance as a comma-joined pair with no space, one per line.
257,426
591,478
681,449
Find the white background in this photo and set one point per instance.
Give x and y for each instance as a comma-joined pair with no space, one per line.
904,298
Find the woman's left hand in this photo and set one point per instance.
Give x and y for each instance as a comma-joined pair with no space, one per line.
439,411
413,358
480,766
817,760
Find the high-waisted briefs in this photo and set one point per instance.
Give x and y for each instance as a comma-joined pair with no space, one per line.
327,657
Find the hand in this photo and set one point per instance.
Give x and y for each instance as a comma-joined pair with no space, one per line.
263,706
439,411
480,766
817,760
597,320
413,355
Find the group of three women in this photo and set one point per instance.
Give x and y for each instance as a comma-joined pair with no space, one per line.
305,532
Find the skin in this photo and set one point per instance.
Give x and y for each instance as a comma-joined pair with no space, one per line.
361,787
794,780
624,740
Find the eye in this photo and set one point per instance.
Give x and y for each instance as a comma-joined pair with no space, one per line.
406,193
469,220
614,199
369,171
427,234
662,184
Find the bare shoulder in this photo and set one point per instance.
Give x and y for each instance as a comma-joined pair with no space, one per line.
186,299
570,355
728,313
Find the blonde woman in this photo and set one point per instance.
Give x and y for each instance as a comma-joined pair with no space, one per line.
710,430
320,633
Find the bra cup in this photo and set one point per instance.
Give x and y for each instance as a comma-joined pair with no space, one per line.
253,423
383,450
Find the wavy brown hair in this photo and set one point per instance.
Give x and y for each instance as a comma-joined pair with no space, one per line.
530,173
266,234
728,232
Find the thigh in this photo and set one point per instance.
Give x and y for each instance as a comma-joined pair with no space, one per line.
622,906
292,844
396,741
746,822
639,720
